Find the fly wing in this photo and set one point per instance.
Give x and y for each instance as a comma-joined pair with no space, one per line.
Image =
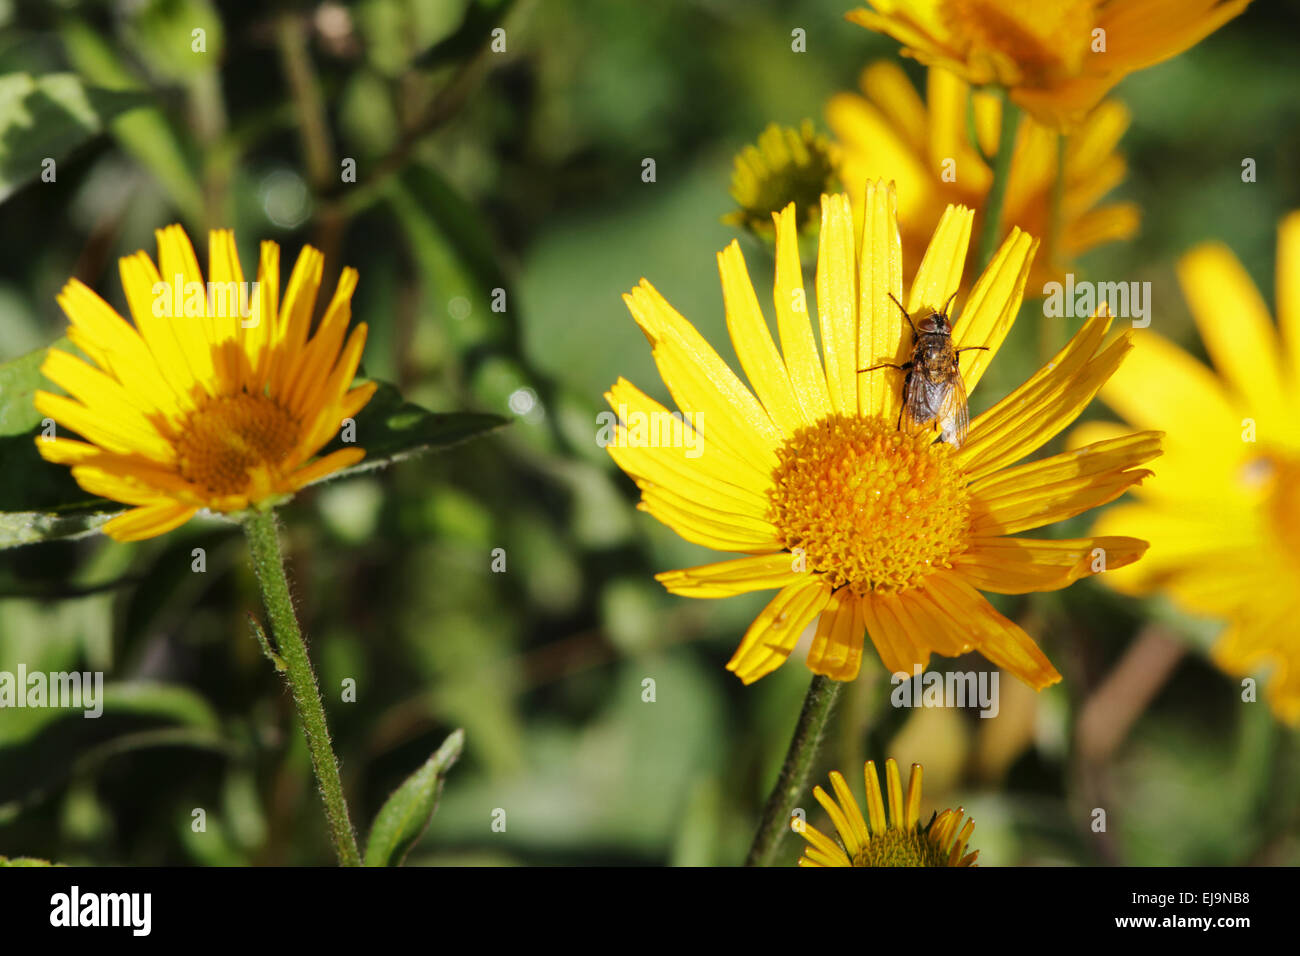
920,400
953,413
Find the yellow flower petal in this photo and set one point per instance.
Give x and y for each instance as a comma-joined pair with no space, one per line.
772,636
991,307
1235,326
1002,641
913,814
1161,386
1288,297
738,576
887,85
836,650
852,842
837,294
753,343
890,635
1047,403
939,274
852,814
927,627
1021,565
164,334
148,522
702,384
794,322
692,466
880,327
875,801
1059,487
179,268
825,852
710,527
118,435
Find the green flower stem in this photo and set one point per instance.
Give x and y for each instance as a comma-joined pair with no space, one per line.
790,784
991,232
1049,332
268,561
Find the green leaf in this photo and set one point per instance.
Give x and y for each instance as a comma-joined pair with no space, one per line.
29,527
171,702
25,861
391,429
39,501
404,817
144,133
47,117
19,380
162,32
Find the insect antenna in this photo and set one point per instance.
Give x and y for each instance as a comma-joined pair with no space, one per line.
949,303
906,314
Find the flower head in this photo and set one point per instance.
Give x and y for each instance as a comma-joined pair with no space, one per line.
1224,514
893,839
217,397
926,147
1059,58
862,522
785,166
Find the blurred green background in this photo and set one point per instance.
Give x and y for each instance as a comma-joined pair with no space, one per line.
521,170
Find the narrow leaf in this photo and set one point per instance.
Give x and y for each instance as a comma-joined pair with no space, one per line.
390,429
405,816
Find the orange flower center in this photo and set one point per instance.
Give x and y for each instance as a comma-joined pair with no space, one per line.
1027,41
873,508
229,442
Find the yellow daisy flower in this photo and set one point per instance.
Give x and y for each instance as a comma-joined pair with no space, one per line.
210,400
896,839
925,146
786,165
861,525
1058,59
1224,514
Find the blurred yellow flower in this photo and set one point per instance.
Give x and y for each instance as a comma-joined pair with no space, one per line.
216,398
925,147
863,526
785,166
1223,515
880,839
1058,58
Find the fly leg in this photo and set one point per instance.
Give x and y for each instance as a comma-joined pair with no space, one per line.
905,367
898,425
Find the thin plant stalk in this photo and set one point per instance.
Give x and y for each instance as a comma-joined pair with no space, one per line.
793,779
268,561
991,232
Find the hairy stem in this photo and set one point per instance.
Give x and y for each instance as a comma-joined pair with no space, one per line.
817,705
268,561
